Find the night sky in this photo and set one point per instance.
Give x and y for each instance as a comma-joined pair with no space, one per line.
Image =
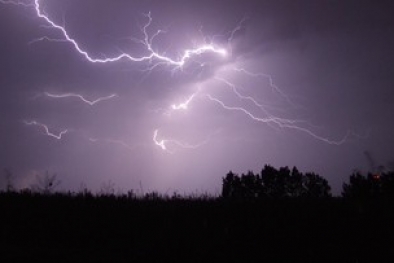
313,72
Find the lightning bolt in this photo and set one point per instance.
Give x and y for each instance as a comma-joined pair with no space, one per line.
46,129
164,142
68,95
270,80
238,94
183,105
160,143
279,122
154,59
146,42
256,103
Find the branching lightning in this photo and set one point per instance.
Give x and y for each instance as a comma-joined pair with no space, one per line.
264,108
46,129
68,95
270,80
146,42
153,59
279,122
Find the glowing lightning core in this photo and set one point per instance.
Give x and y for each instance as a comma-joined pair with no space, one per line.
183,105
90,102
47,132
161,143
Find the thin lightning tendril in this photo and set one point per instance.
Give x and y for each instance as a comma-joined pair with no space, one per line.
47,132
270,80
257,104
68,95
164,142
47,39
278,122
13,2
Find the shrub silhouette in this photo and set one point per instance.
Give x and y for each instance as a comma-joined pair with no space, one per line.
46,184
273,183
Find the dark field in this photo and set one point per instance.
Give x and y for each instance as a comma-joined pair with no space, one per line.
86,228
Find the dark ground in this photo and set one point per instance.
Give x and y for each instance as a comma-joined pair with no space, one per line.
84,228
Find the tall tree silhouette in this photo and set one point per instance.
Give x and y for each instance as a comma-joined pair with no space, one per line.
315,186
231,184
295,186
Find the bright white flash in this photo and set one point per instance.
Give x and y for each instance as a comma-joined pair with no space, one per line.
46,129
68,95
183,105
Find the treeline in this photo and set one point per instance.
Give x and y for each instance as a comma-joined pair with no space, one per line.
291,183
270,183
275,183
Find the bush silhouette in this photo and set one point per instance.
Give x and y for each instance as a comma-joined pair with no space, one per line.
46,184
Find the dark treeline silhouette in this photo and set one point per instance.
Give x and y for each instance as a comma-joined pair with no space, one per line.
273,183
278,215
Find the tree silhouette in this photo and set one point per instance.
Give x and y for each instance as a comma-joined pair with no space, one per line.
295,186
315,186
231,185
371,186
250,185
273,183
9,180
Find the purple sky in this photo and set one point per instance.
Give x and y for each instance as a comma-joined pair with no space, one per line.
331,64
